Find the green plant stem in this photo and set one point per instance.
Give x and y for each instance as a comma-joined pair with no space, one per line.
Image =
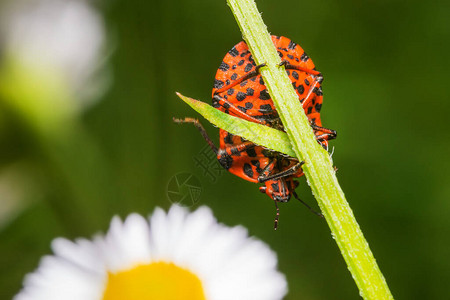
318,168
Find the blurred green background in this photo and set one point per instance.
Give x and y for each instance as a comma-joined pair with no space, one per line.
385,65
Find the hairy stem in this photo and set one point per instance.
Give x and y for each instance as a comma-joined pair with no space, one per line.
318,168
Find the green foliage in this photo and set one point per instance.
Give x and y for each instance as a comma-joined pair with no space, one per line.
390,151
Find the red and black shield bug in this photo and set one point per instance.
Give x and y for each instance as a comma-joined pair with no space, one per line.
239,90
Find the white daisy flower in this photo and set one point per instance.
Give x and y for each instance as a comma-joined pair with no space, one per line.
178,255
64,36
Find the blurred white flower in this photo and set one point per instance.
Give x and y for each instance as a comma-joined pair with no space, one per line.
173,256
65,35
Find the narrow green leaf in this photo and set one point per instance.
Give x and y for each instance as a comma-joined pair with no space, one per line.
258,134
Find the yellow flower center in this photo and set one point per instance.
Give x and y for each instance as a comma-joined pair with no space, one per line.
160,281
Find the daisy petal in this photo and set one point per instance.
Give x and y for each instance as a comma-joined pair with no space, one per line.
174,255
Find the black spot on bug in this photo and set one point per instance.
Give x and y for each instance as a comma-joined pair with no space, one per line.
250,91
309,110
255,162
265,108
240,63
313,101
297,60
261,80
253,79
275,187
234,76
240,96
243,83
318,107
288,72
248,105
233,52
250,58
304,57
227,82
244,53
261,117
234,67
291,45
301,89
248,170
224,66
277,37
225,161
280,54
264,95
283,49
234,151
230,92
307,81
228,138
248,67
225,96
215,103
290,56
226,105
218,84
295,75
259,170
293,84
267,153
318,91
252,153
243,109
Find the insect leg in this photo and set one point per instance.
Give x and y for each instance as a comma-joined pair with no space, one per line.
287,65
235,150
318,78
329,134
200,128
309,207
288,172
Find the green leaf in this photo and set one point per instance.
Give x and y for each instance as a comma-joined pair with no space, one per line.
259,134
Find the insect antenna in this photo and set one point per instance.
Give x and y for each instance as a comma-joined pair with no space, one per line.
309,207
277,216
